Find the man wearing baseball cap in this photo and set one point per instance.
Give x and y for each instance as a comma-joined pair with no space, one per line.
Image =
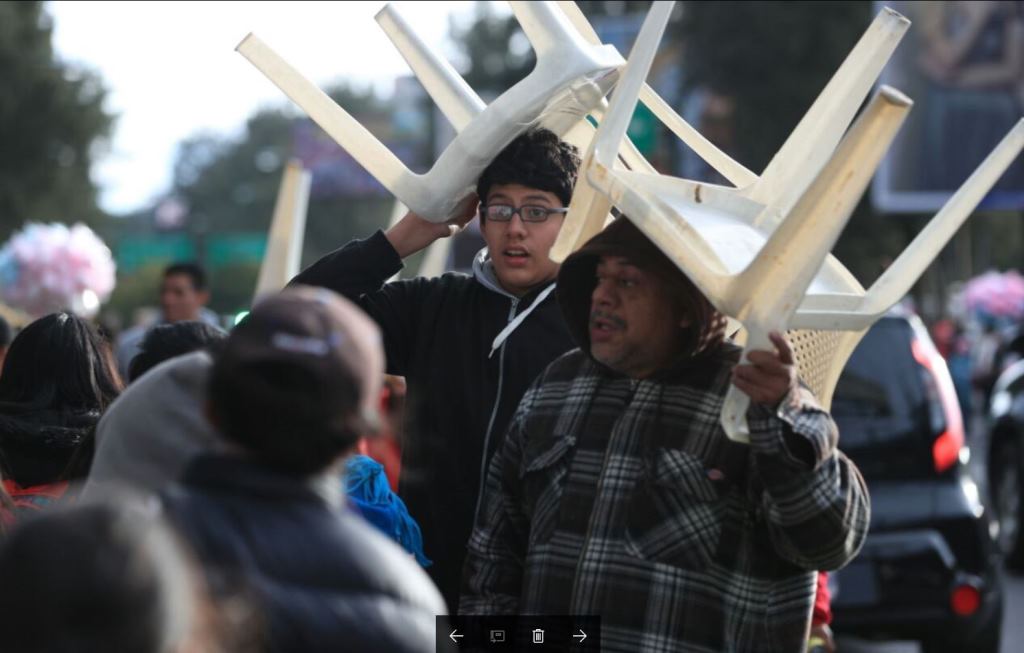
291,392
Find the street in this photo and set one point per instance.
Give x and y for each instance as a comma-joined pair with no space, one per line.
1013,627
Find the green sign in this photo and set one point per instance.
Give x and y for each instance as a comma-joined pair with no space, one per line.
643,130
226,249
134,252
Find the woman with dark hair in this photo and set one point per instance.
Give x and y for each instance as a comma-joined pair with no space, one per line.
59,377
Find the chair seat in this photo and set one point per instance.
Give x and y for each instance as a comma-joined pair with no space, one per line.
719,230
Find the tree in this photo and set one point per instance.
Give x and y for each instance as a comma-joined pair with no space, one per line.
230,185
52,122
496,51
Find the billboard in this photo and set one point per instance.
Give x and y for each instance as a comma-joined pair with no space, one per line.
963,65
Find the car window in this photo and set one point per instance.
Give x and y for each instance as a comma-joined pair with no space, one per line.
881,393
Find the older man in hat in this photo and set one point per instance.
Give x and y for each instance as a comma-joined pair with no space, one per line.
616,493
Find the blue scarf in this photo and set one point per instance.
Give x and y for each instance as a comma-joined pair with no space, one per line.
367,488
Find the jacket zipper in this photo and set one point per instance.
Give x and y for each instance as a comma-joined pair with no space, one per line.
494,414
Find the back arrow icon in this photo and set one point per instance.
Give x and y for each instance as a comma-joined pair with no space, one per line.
455,638
582,636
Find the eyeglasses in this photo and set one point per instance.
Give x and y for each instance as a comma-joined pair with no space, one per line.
527,213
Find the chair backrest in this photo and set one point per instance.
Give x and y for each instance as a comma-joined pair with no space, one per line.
820,358
283,255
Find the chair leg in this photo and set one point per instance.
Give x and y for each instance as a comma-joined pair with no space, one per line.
588,213
457,101
546,28
808,148
899,277
378,160
613,128
705,149
767,293
589,208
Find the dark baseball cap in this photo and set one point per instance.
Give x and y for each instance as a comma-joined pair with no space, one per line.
304,361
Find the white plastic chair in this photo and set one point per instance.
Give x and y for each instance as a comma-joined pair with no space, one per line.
283,255
761,253
570,78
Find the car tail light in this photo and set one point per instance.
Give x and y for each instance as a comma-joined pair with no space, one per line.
965,600
946,448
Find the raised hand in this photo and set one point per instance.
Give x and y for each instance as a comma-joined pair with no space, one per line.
413,233
767,377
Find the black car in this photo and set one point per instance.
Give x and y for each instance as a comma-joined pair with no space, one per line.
1006,461
929,569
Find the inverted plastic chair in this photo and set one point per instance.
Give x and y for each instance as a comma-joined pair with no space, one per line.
287,228
570,78
761,253
461,105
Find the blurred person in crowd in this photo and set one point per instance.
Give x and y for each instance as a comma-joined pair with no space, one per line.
821,639
154,428
984,358
959,362
292,390
616,493
59,377
468,346
184,294
166,341
386,446
139,457
103,578
5,340
157,426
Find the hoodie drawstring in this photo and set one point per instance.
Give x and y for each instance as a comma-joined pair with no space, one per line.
514,324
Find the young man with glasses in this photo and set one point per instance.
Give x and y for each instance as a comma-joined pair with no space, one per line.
468,345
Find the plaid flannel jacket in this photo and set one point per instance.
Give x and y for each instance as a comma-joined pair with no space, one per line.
624,498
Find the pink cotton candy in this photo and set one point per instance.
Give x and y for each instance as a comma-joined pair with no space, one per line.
50,267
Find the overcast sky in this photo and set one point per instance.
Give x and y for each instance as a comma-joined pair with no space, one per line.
172,70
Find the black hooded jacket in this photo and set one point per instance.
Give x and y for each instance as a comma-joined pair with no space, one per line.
438,334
